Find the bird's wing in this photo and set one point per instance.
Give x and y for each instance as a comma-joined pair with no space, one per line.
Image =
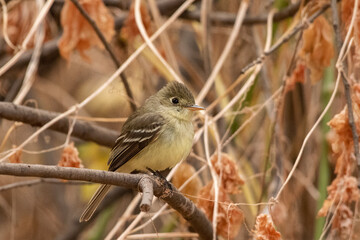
140,132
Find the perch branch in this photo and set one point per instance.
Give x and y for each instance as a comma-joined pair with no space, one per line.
108,49
37,117
175,199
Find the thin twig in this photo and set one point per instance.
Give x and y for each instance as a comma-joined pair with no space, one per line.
49,50
28,37
108,49
140,25
176,235
308,135
225,18
74,228
271,99
175,199
206,7
276,127
32,68
124,217
234,33
214,177
164,38
5,24
296,29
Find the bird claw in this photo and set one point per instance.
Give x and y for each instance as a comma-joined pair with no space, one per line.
162,179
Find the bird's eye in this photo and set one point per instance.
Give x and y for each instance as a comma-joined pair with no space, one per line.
175,100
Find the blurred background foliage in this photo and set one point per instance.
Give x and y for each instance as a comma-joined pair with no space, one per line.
301,73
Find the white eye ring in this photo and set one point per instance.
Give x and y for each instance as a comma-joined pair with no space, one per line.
174,100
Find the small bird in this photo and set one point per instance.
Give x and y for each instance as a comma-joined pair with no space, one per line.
155,137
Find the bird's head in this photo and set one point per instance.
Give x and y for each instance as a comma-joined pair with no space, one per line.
177,100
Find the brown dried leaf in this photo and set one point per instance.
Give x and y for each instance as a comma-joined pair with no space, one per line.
184,172
340,136
343,189
70,157
78,33
340,140
317,50
20,19
264,229
130,29
15,158
228,170
297,76
229,218
347,9
342,222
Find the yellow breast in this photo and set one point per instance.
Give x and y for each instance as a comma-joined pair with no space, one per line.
173,144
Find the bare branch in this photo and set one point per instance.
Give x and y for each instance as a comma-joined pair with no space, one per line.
173,197
37,117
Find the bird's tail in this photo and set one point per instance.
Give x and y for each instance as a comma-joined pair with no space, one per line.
94,202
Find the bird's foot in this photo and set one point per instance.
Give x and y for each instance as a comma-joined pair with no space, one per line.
162,179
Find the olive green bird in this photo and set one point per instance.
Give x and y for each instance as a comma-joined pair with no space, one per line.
156,136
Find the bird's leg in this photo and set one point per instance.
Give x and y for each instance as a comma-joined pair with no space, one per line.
162,178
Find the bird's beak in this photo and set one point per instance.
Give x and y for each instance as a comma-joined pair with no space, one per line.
195,108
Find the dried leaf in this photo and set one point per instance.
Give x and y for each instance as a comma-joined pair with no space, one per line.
317,50
340,140
228,170
264,229
15,158
229,218
70,157
342,222
130,29
297,76
20,19
184,172
347,9
340,136
342,189
78,33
